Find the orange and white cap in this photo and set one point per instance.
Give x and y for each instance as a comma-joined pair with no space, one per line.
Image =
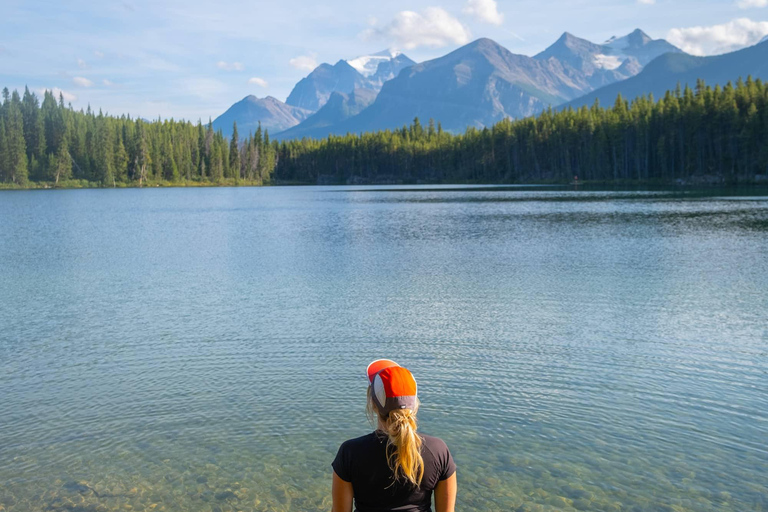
392,386
376,366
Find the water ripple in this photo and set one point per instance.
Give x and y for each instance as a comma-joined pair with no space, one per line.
202,349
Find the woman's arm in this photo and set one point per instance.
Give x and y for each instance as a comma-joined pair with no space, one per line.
445,494
342,494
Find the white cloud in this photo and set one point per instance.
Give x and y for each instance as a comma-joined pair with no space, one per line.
432,27
230,66
484,10
82,82
646,2
68,97
81,64
99,54
749,4
108,83
719,39
258,81
304,62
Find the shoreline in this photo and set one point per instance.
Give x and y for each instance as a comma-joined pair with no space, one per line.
652,184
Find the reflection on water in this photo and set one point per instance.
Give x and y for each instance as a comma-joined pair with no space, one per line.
201,350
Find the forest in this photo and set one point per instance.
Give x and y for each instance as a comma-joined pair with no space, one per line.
700,135
53,145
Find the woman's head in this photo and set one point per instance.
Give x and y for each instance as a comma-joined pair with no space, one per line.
393,402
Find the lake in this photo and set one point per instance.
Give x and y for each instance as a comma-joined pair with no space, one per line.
204,349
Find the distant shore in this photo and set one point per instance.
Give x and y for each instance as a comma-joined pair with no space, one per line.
708,182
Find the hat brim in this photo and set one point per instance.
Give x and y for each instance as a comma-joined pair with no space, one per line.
376,366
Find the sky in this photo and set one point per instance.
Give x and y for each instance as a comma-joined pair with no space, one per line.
192,59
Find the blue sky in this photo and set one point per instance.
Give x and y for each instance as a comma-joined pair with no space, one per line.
193,59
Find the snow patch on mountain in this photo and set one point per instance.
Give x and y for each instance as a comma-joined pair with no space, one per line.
609,61
367,65
617,44
616,47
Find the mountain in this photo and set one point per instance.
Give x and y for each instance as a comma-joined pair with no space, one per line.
597,65
664,73
476,85
313,91
273,114
483,82
366,72
339,107
368,65
386,68
638,45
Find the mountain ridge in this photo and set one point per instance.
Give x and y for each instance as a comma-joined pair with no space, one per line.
602,64
482,83
339,107
273,114
476,85
312,91
666,72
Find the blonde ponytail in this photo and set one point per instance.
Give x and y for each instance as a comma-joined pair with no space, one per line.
405,459
403,444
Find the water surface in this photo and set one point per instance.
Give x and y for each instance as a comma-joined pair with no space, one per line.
202,349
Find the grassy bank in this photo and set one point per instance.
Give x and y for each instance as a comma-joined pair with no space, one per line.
75,184
232,182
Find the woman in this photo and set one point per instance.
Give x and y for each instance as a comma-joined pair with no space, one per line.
393,468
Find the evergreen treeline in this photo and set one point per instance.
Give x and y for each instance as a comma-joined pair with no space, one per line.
718,134
55,144
714,134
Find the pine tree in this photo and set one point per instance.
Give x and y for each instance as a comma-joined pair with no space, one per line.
105,159
142,158
689,132
63,164
34,135
5,173
217,166
234,153
15,143
201,151
121,162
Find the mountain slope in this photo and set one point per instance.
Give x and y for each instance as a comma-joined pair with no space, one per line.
368,65
367,72
273,114
664,73
313,91
339,107
596,65
638,45
476,85
387,70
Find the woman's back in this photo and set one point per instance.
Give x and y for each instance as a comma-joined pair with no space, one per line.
394,467
363,462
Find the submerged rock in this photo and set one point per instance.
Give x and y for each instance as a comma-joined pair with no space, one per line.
81,487
226,496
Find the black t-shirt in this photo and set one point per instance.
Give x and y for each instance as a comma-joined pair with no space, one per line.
363,461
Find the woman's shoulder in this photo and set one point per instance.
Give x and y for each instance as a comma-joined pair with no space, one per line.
359,442
435,444
437,458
